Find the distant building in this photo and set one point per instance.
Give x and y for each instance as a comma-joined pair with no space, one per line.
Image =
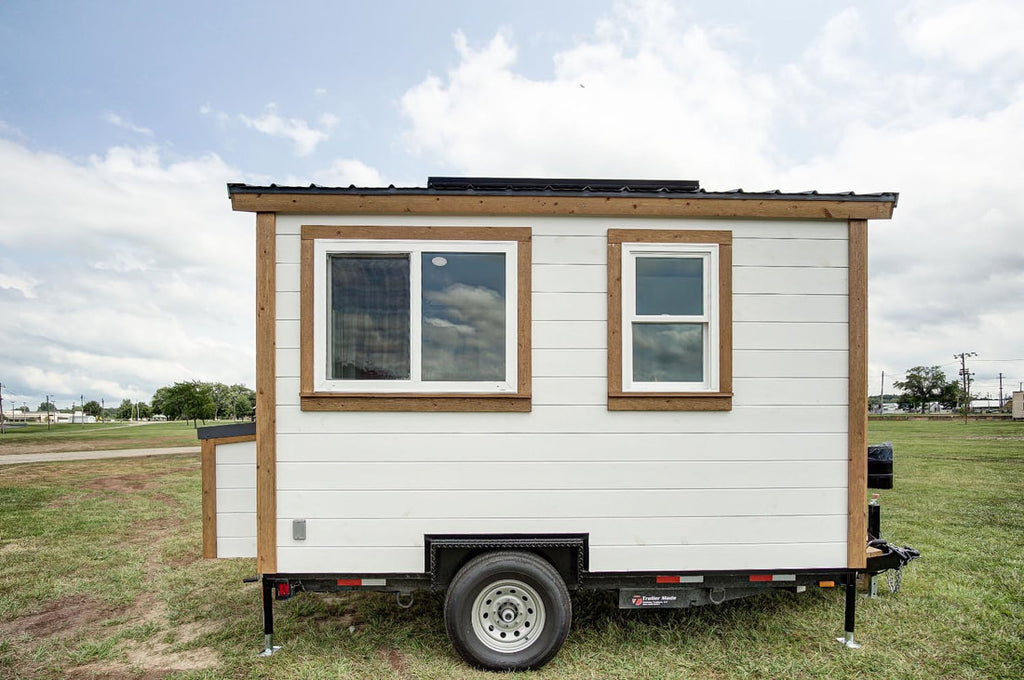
76,417
983,405
25,416
1018,405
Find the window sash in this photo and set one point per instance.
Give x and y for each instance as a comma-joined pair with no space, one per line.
323,249
708,254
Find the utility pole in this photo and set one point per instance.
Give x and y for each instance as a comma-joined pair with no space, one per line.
881,396
47,412
1000,391
81,399
965,375
3,426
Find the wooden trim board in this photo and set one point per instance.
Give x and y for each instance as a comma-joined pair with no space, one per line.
266,411
208,463
603,206
858,395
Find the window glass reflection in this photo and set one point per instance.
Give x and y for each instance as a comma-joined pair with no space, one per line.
670,285
463,316
668,352
369,326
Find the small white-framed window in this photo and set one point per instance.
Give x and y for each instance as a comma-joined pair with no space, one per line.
670,325
415,316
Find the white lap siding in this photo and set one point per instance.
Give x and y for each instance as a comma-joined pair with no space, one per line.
763,486
236,499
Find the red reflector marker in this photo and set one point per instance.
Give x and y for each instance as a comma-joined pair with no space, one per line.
284,589
350,581
667,579
756,578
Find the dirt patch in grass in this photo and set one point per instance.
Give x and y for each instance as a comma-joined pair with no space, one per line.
395,659
149,661
61,618
124,483
127,484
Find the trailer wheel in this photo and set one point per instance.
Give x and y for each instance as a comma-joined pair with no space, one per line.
507,611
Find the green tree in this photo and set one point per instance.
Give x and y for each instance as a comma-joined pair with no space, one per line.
191,400
952,395
126,411
159,399
93,408
45,405
924,385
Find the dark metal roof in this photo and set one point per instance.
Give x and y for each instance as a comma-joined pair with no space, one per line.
232,430
527,184
498,186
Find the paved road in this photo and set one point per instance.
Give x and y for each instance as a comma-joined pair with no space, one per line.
91,455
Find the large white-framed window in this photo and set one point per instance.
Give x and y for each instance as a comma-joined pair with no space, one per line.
415,316
669,317
669,320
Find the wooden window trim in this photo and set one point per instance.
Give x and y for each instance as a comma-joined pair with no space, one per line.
311,400
675,401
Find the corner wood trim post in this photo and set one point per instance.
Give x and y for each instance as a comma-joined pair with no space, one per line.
266,415
208,458
858,396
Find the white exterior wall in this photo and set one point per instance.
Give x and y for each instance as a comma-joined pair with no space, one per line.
236,499
763,486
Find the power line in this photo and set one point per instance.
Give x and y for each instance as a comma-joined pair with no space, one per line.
1000,360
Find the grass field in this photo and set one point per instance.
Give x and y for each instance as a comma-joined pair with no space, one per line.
100,576
97,436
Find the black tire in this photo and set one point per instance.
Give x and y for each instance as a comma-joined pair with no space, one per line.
507,611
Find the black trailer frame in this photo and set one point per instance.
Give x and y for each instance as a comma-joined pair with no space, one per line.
568,554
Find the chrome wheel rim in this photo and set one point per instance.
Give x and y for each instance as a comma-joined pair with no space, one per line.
508,616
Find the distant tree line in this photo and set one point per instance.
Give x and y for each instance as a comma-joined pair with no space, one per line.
192,400
195,400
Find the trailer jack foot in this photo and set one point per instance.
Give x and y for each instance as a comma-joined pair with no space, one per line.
269,648
851,613
268,619
847,641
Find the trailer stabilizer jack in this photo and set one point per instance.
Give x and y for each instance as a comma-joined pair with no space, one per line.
851,614
269,648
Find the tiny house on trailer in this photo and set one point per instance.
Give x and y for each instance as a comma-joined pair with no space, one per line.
510,389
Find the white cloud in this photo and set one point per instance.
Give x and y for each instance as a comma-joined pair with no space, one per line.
23,285
295,130
132,272
972,36
347,171
124,123
650,94
623,103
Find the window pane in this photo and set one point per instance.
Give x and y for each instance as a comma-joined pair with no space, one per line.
670,285
668,352
369,317
463,316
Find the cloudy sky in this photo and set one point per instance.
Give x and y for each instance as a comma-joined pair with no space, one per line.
122,267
